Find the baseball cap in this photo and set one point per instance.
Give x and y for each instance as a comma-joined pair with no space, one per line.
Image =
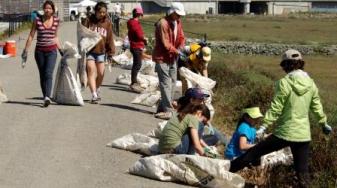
291,54
178,8
253,112
139,10
206,53
195,93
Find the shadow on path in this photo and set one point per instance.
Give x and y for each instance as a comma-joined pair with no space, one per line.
118,87
35,98
26,103
128,108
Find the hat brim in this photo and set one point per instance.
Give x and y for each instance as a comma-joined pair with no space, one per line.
206,58
180,12
256,115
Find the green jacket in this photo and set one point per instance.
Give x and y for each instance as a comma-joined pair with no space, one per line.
295,95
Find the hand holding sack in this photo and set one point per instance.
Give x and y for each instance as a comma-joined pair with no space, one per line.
208,152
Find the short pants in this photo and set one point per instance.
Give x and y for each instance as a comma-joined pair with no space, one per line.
98,58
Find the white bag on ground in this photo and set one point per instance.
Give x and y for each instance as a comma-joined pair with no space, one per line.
145,81
283,156
189,169
148,67
87,39
136,142
147,99
158,130
66,90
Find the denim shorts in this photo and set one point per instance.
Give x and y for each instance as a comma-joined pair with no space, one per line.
98,58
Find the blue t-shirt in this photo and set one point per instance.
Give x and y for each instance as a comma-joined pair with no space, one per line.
244,129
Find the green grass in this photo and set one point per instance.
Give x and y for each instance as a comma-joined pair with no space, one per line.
277,29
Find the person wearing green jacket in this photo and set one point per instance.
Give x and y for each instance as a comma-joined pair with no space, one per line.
296,94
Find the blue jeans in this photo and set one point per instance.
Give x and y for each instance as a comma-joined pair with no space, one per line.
215,137
186,145
167,74
46,63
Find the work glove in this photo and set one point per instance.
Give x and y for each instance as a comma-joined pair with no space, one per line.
24,56
182,56
208,152
260,132
326,129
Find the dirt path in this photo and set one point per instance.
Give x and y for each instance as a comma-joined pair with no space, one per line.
65,146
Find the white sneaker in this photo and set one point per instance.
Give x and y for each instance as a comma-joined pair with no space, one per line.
46,102
94,100
98,91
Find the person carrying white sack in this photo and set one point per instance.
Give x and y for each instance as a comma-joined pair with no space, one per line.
100,23
47,45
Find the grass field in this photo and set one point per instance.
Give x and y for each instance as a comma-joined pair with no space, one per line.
302,29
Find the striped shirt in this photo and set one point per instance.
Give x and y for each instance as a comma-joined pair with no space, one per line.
46,36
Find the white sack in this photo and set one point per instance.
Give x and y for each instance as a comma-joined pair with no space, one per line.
283,156
196,79
136,142
145,81
189,169
148,67
147,99
66,90
158,130
87,39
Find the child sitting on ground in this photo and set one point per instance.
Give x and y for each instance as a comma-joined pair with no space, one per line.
182,134
245,133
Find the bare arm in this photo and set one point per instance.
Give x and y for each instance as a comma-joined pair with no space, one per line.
30,36
196,141
203,143
243,145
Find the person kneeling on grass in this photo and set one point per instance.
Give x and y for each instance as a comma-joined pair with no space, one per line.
245,133
182,134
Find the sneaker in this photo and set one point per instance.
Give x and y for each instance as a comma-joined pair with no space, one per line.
94,100
136,88
46,102
163,115
98,91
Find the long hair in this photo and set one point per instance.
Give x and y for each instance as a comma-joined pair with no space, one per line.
51,3
100,5
242,119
